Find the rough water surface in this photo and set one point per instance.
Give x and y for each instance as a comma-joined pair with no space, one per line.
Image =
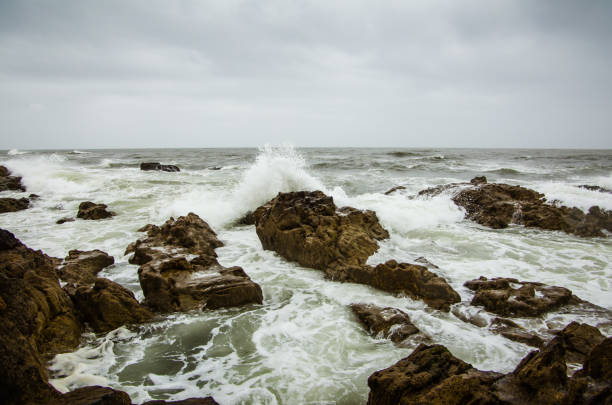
304,344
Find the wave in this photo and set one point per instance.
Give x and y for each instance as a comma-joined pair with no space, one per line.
403,154
78,152
505,171
14,152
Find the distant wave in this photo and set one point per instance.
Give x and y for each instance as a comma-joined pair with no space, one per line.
505,171
78,152
403,154
14,152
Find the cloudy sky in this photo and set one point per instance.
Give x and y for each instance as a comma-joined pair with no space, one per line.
431,73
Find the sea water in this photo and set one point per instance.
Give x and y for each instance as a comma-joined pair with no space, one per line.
303,345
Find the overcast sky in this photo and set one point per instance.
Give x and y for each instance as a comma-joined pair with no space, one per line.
441,73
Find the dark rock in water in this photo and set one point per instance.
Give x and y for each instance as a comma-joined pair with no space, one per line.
159,167
215,168
37,318
95,395
595,188
478,180
390,323
425,262
578,340
306,227
510,330
106,305
394,189
432,375
93,211
189,401
8,182
33,196
247,219
81,267
64,220
510,297
179,269
410,279
13,204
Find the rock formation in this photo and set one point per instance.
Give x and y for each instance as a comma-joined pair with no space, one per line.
81,267
159,167
8,182
93,211
308,228
389,323
179,269
8,204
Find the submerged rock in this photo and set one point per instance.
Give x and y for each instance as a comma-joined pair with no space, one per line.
81,267
8,182
595,188
511,330
394,189
159,167
93,211
64,220
179,270
308,228
389,323
13,204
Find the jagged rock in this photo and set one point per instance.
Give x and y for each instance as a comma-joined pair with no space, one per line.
64,220
93,211
106,305
247,219
81,267
8,204
595,188
159,167
179,269
37,319
189,401
409,279
389,323
8,182
511,330
578,340
510,297
95,395
394,189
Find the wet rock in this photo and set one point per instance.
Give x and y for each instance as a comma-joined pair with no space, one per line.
189,401
578,340
389,323
394,189
511,330
93,211
95,395
510,297
409,279
37,319
13,204
81,267
247,219
426,262
8,182
64,220
159,167
179,270
34,197
595,188
106,305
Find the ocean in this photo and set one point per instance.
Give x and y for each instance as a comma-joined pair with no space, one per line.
304,345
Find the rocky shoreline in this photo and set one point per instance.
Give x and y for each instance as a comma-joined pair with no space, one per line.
178,271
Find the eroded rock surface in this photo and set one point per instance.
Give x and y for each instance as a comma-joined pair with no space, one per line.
179,270
81,267
389,323
8,204
308,228
93,211
159,167
8,182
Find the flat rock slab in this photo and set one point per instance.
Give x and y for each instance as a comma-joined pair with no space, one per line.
146,166
81,267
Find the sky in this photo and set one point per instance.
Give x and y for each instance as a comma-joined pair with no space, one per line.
358,73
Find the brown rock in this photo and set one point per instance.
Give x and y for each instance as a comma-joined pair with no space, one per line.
511,330
578,340
595,188
13,204
159,167
106,305
189,401
95,395
8,182
179,269
93,211
81,267
64,220
394,189
390,323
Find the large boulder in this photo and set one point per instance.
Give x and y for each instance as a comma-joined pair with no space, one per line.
81,267
389,323
95,395
93,211
8,204
179,270
8,182
159,167
308,228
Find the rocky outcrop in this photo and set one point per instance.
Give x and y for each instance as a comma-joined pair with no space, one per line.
510,297
388,323
578,340
432,375
95,395
8,182
8,204
511,330
64,220
189,401
308,228
179,270
93,211
159,167
81,267
595,188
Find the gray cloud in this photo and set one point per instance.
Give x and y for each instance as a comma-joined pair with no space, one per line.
78,74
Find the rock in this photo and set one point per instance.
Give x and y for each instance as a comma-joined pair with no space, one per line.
510,330
179,269
81,267
592,384
106,305
410,279
306,227
63,220
159,167
578,340
247,219
595,188
510,297
8,182
478,180
389,323
93,211
13,204
34,197
95,395
38,319
426,262
189,401
394,189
